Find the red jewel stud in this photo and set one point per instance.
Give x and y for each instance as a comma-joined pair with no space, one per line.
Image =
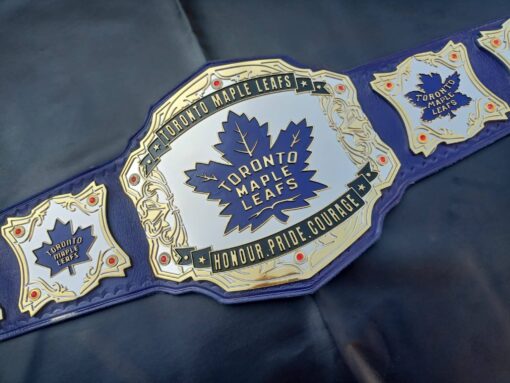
490,107
19,231
92,200
382,159
389,85
164,259
340,88
34,294
112,260
216,84
422,137
496,43
300,257
134,179
454,56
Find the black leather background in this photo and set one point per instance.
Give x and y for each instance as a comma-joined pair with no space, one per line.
428,303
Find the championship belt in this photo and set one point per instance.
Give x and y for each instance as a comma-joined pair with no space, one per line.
253,180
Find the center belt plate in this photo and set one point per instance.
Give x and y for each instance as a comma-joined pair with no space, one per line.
255,174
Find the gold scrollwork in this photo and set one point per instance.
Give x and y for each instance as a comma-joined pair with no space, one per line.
37,221
353,123
156,208
72,205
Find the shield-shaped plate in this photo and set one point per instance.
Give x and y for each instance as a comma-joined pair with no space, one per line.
439,98
64,248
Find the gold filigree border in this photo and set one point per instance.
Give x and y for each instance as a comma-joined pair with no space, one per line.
476,122
56,291
154,199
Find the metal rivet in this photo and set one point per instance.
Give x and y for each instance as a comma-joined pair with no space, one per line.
423,137
34,294
112,260
340,88
92,200
382,159
454,56
18,231
495,42
134,179
216,84
490,107
164,259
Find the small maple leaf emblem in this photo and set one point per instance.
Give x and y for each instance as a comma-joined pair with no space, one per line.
258,180
438,98
65,249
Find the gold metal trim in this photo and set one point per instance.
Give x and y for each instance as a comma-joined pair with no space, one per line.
162,221
56,291
497,42
441,58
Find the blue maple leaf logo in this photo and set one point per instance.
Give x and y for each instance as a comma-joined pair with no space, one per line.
438,98
65,249
258,180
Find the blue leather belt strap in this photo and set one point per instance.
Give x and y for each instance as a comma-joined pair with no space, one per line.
253,180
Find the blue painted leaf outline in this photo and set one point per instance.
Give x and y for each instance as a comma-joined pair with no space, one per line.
241,139
67,230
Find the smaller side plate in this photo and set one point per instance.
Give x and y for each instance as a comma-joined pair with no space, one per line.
64,248
439,98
